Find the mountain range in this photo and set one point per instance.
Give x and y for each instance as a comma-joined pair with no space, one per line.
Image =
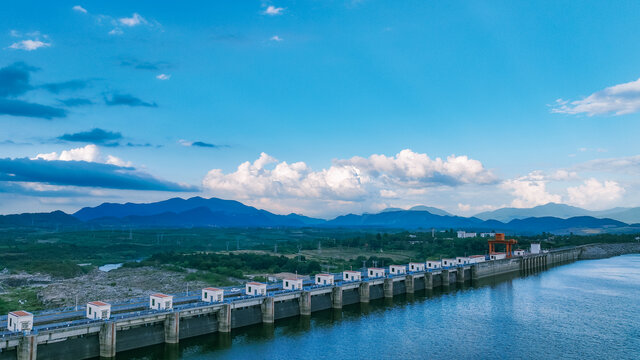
627,215
214,212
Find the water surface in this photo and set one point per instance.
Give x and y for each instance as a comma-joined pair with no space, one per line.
584,310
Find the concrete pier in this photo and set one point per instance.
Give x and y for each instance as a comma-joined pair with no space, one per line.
305,303
107,338
224,318
336,297
268,314
428,281
388,288
363,290
172,328
460,278
445,278
28,347
409,284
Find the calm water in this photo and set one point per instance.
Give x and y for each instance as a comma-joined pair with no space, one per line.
589,309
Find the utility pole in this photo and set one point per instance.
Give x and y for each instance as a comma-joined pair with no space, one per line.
76,302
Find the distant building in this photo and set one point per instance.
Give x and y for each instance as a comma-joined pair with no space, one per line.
535,248
292,284
375,272
413,266
462,260
464,234
474,259
497,256
211,294
98,310
489,234
324,279
434,264
397,269
256,289
449,262
350,275
161,301
20,321
518,252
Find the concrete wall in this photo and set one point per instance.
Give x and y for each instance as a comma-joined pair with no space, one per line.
351,296
250,315
320,302
287,308
399,287
76,348
196,326
376,292
8,355
495,267
138,337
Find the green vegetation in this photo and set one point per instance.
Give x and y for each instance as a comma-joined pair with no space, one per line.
20,298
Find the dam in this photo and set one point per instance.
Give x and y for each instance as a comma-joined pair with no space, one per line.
127,330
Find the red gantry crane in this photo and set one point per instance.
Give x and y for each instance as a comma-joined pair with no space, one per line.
501,240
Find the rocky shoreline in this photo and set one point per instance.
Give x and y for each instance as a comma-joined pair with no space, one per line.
601,251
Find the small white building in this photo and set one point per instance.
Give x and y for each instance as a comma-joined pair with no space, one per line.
292,284
535,248
351,275
497,256
98,310
375,272
413,266
518,252
211,294
449,262
434,264
160,301
474,259
463,260
20,321
489,234
397,269
255,289
324,279
464,234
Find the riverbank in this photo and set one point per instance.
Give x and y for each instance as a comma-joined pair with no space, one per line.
601,251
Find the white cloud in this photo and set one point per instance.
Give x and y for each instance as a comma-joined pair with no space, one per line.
594,192
618,100
275,38
79,8
88,153
29,45
134,20
163,77
530,190
464,207
272,10
116,31
358,182
628,164
185,142
15,33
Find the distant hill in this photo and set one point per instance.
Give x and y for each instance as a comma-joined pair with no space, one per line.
52,220
627,215
430,209
196,211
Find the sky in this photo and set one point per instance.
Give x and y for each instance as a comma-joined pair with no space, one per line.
320,107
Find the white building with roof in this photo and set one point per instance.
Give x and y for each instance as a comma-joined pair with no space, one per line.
497,256
416,266
518,252
324,279
98,310
351,275
212,294
449,262
434,264
375,272
535,248
292,284
462,260
474,259
397,269
464,234
256,289
160,301
19,321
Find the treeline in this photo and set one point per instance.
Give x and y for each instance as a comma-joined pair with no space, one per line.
233,265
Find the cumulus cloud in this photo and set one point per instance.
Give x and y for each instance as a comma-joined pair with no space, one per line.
116,31
79,9
163,77
29,45
273,11
530,190
275,38
617,100
594,192
347,183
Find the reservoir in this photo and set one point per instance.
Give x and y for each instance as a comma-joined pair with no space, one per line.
586,309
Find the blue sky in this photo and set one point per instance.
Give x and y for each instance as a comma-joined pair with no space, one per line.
351,102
